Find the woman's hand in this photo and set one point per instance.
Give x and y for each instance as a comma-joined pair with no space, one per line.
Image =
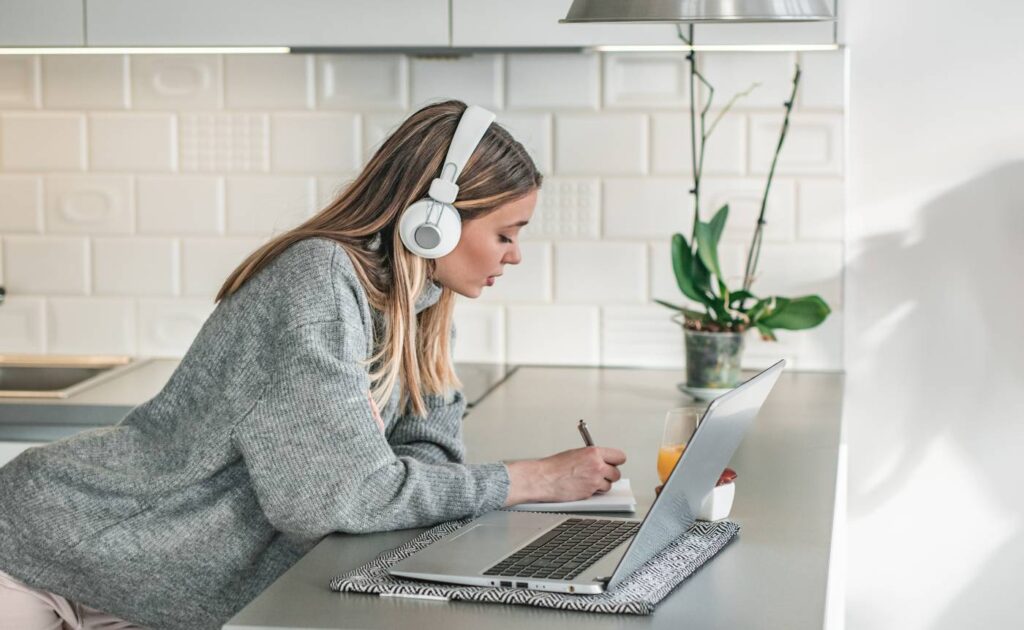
566,476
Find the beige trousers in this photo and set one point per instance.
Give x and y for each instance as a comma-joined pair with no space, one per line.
25,608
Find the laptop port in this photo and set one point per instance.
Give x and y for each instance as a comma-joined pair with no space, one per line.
506,583
522,585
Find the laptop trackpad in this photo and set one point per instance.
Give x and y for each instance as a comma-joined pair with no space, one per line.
471,551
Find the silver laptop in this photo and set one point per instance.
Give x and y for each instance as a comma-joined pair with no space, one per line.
586,555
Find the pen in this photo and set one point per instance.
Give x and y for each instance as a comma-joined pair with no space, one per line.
582,426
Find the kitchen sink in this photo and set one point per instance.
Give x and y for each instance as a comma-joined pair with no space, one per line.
53,376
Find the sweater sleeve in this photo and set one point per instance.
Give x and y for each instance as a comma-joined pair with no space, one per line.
319,462
436,438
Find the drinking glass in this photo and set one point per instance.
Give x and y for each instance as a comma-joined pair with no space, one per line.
680,423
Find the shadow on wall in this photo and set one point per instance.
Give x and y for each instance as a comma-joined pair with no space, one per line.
935,413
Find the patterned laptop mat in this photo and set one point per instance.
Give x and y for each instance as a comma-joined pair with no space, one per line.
638,594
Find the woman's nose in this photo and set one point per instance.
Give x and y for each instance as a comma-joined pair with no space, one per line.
513,256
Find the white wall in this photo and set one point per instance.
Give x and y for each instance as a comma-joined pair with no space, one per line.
131,186
934,348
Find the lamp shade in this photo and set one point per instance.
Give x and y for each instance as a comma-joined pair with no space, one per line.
699,11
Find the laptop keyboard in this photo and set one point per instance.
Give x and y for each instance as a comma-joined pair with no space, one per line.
565,551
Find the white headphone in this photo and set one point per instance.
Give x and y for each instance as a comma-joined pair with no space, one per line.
431,227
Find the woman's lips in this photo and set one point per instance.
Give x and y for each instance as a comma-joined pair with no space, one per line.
490,281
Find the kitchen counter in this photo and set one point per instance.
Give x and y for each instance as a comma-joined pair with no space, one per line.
773,575
104,404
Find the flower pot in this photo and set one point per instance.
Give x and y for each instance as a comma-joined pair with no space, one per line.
713,358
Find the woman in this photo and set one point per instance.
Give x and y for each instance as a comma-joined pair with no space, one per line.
318,397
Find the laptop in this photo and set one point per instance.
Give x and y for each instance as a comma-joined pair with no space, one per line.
588,555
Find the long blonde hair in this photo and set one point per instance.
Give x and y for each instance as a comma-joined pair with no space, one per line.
415,348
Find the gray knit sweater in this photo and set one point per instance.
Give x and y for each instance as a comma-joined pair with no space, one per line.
262,442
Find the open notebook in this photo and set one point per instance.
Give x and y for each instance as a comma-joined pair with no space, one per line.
618,499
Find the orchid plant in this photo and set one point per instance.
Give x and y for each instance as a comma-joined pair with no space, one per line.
695,263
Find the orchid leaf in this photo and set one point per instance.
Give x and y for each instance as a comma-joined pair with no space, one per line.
796,314
682,265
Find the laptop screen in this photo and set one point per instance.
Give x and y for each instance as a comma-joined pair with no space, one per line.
708,452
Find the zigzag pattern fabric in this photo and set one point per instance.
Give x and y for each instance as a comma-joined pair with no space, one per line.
639,594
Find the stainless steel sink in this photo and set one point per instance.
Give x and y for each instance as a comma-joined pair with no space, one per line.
53,376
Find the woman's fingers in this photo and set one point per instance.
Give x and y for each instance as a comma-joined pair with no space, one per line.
612,456
611,473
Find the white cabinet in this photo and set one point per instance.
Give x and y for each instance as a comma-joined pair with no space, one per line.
41,23
305,23
535,23
10,450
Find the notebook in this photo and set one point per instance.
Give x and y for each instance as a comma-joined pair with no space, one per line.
618,499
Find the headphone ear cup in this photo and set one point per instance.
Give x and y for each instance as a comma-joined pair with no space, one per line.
435,238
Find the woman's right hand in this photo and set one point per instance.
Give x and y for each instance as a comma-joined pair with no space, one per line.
567,476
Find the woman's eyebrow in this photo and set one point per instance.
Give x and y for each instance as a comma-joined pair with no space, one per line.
517,224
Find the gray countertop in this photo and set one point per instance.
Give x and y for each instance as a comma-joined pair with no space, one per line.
43,420
774,575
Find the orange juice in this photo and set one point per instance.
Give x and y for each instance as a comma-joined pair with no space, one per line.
667,458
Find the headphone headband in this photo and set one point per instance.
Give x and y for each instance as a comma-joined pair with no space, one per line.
471,129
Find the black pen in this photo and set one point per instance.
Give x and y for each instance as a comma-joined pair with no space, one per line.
582,426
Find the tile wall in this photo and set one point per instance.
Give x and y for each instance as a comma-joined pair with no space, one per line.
131,186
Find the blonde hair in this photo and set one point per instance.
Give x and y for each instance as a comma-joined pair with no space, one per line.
416,347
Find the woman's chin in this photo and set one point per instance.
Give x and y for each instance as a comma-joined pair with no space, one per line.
471,292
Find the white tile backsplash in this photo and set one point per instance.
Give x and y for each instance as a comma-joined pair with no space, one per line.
553,335
801,269
167,327
601,144
479,332
314,143
177,82
600,273
646,207
474,79
42,142
135,266
813,144
224,141
567,207
222,151
733,73
265,205
180,204
46,265
269,81
89,204
91,325
377,127
646,80
641,336
529,281
207,262
19,81
22,328
820,209
743,196
21,203
132,142
821,80
373,82
724,154
85,81
553,81
329,187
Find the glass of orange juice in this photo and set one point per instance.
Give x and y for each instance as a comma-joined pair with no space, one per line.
680,423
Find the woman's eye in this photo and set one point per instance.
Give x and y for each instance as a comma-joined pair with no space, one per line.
505,239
